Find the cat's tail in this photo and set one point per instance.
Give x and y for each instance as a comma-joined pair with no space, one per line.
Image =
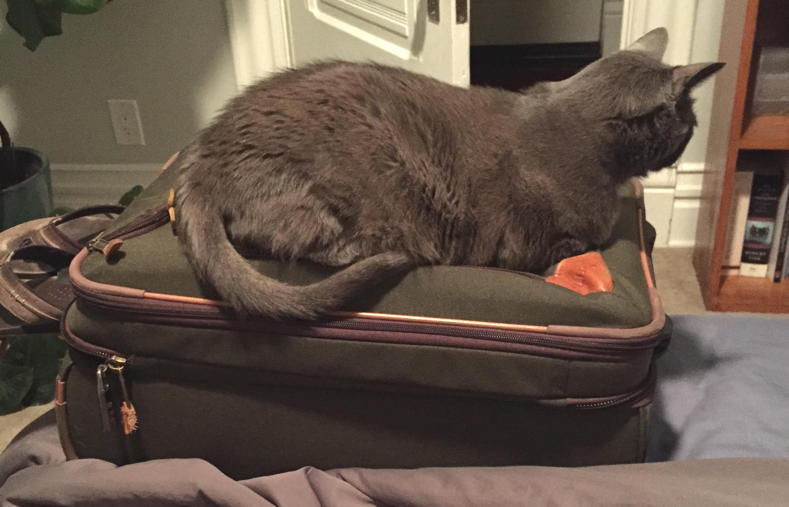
216,261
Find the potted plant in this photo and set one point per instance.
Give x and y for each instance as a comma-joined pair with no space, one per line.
29,364
36,19
25,184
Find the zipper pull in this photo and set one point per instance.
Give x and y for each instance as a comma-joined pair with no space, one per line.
128,412
171,210
105,402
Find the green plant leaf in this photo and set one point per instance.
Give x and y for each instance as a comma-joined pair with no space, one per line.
33,21
75,6
16,379
61,210
83,6
132,194
28,371
47,353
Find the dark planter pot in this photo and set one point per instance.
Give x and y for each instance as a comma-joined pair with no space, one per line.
31,197
28,368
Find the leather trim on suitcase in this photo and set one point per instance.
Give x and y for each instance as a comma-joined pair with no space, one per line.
61,414
86,288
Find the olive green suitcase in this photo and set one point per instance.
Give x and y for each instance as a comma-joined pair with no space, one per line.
448,366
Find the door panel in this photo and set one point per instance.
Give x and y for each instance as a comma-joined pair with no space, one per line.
392,32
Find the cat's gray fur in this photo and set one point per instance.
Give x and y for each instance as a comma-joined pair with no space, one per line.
381,169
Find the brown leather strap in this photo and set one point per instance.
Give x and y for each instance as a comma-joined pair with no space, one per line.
44,303
52,235
68,233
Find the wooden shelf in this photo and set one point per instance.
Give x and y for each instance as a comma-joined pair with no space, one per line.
749,294
766,132
747,27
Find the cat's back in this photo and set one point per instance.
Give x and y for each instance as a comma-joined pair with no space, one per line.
338,85
334,95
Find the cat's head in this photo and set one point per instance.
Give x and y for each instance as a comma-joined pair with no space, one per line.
643,104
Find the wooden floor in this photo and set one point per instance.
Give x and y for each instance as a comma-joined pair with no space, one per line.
676,281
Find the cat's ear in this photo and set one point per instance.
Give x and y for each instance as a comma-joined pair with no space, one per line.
688,76
653,43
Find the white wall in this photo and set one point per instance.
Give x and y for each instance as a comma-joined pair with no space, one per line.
495,22
172,56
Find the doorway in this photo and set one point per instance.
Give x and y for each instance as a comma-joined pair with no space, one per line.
517,43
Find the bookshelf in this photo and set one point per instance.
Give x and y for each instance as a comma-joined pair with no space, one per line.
748,26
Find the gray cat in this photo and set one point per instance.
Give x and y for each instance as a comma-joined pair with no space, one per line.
381,169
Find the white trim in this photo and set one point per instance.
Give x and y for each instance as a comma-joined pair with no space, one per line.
393,48
690,176
259,38
684,220
673,194
76,185
677,16
665,178
673,202
659,204
691,167
634,21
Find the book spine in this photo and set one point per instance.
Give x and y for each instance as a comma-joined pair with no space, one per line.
783,255
760,226
786,263
743,180
772,264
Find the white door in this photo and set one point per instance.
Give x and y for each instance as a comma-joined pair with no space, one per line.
426,36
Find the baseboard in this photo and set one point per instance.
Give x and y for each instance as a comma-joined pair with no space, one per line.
76,185
673,198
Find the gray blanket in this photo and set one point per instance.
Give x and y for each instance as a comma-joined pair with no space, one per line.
723,393
723,389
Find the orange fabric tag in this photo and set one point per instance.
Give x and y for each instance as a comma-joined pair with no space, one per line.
584,274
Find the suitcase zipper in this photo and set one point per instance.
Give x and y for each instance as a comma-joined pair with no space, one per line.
105,402
128,414
157,311
117,363
636,398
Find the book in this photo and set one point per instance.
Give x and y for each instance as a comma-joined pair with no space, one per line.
782,261
785,275
779,240
760,225
735,235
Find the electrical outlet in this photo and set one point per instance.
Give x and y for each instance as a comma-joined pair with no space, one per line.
126,122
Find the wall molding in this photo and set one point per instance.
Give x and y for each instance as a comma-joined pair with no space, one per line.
259,38
77,185
665,178
690,176
673,200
